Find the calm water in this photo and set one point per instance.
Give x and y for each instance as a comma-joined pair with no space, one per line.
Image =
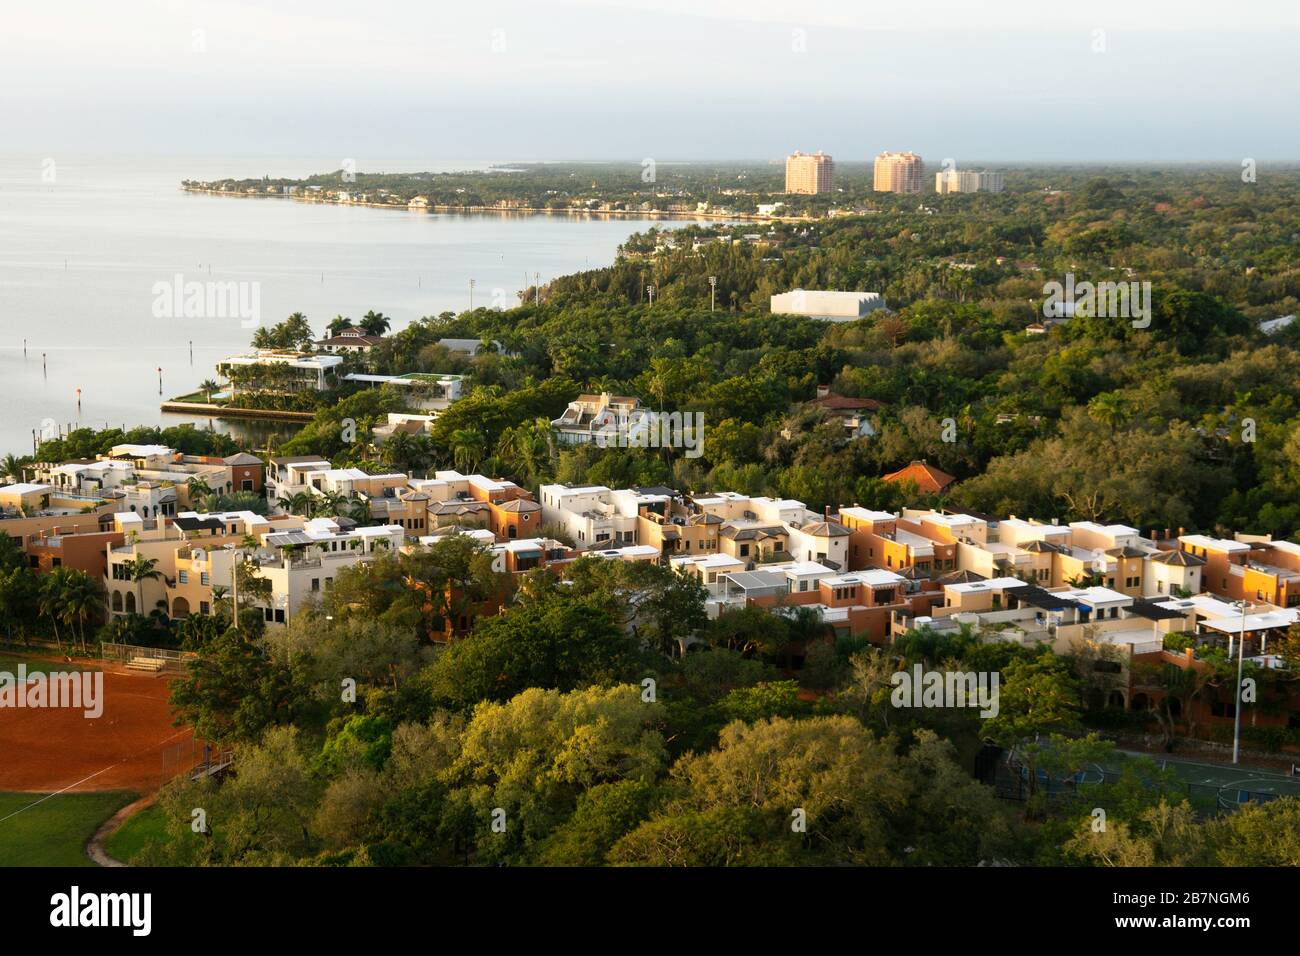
79,258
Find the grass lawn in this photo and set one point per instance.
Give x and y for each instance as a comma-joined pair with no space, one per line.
130,838
56,831
9,664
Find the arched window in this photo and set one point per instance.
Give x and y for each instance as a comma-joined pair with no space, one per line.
117,601
180,607
130,602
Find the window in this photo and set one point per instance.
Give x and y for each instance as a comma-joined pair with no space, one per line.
315,584
803,585
205,578
183,577
205,608
744,550
56,562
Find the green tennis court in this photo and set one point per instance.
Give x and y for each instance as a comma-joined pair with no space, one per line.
1229,786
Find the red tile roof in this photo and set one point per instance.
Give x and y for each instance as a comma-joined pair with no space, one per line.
927,478
844,403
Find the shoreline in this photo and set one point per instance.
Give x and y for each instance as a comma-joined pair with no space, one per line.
521,210
221,411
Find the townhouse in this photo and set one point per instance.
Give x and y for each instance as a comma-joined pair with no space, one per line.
152,480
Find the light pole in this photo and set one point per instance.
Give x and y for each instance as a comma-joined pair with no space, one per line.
651,291
471,295
234,589
1236,708
537,288
713,289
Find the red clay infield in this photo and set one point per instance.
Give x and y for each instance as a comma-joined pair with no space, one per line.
48,750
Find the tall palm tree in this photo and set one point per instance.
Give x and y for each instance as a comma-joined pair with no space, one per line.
526,448
208,386
50,602
140,569
375,323
83,597
399,451
467,447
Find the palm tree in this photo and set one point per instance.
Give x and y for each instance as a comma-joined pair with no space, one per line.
399,451
140,569
1109,408
467,447
375,323
198,490
83,597
330,503
12,466
526,448
208,386
358,509
51,599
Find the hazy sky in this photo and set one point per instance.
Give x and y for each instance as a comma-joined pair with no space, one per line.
668,79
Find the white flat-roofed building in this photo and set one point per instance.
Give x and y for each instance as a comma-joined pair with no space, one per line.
867,515
709,569
630,552
592,515
481,536
305,370
827,306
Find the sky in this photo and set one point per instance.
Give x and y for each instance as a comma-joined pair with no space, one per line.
1010,81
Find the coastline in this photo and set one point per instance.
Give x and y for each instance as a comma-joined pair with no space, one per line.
222,411
519,210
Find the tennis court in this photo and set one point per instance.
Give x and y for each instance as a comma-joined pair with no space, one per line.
1228,786
1208,787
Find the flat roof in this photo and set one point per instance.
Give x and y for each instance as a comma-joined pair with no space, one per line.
24,488
873,577
992,584
866,514
1214,544
1266,621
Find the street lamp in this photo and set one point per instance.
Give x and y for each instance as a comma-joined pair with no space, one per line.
1236,708
713,288
471,295
651,290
